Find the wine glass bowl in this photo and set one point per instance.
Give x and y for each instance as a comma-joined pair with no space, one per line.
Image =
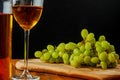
27,13
27,16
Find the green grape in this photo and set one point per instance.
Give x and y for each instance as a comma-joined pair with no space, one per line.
101,38
84,33
87,53
111,57
99,49
44,50
51,51
81,59
42,58
82,48
90,37
87,59
103,56
103,65
76,58
76,51
79,44
97,44
93,41
71,57
61,53
88,46
61,47
55,54
65,56
73,63
105,44
111,48
66,61
70,46
95,60
38,54
82,55
116,56
52,60
46,56
50,47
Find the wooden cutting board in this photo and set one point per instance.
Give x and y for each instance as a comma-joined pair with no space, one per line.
62,69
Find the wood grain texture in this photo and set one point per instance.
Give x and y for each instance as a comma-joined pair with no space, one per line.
66,70
44,75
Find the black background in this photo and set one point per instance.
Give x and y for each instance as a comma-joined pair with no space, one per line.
63,20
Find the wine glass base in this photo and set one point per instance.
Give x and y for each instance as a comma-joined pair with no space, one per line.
25,78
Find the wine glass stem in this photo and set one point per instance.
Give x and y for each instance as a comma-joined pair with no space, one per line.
26,48
26,54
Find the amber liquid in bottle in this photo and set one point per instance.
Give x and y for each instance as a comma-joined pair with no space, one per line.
27,16
5,46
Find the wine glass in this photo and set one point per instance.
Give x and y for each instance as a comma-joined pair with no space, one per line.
26,13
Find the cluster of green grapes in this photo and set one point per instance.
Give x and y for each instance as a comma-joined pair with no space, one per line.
88,52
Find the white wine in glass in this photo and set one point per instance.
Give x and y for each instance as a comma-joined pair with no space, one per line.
27,14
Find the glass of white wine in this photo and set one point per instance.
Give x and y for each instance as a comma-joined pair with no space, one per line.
27,13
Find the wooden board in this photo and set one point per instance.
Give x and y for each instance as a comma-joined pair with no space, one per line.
62,69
